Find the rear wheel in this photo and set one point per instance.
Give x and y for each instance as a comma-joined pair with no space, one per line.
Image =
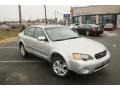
60,67
22,51
87,33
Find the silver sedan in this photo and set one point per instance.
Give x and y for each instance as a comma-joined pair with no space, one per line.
64,49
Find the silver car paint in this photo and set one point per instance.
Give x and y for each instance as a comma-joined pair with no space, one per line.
65,49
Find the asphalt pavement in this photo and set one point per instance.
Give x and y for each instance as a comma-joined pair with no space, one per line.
15,69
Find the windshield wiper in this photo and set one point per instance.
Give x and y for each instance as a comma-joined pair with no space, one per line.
66,38
72,37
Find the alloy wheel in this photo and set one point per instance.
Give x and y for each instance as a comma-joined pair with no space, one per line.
87,33
60,67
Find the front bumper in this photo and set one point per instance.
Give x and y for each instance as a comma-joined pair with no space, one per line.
96,32
90,66
109,28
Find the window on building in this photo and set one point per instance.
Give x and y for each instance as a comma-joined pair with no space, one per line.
104,19
90,19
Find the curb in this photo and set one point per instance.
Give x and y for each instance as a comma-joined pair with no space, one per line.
8,40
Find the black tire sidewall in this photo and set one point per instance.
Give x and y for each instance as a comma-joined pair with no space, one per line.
98,34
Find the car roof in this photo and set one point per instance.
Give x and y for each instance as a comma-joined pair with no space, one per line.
90,24
93,25
72,24
46,26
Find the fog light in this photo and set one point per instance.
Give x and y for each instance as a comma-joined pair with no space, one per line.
85,70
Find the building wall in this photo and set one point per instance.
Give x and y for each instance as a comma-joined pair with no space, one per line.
94,14
118,21
99,9
97,19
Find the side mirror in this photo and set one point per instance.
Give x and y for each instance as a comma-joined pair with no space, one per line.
42,38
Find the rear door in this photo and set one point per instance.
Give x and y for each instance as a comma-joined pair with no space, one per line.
29,37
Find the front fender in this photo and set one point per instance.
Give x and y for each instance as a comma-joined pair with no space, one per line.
64,55
22,41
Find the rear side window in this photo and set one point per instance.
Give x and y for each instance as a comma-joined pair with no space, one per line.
86,26
30,32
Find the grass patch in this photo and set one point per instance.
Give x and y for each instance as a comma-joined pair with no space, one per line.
4,34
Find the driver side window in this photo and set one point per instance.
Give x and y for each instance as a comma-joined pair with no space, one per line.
39,32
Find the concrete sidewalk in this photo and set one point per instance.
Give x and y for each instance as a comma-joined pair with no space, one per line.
116,32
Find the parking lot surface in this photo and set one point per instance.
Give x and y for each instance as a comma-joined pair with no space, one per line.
15,69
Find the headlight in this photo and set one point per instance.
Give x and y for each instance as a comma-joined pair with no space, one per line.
79,56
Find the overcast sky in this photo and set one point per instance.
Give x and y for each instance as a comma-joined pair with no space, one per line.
10,12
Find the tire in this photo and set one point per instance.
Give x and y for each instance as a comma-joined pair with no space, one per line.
98,34
59,67
87,33
22,51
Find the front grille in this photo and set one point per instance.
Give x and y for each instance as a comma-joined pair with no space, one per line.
101,65
100,55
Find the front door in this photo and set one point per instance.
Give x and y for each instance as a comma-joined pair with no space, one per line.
41,47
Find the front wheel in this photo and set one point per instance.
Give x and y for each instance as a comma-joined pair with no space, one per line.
87,33
60,67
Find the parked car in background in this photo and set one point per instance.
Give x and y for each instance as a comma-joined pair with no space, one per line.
5,26
89,29
64,49
109,27
73,26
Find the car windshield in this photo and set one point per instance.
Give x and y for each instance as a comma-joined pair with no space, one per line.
60,33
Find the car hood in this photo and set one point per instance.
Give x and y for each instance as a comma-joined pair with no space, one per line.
80,45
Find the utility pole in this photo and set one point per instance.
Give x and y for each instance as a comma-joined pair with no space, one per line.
45,14
55,18
20,18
